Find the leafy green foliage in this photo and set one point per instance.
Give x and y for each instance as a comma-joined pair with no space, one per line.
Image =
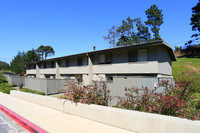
155,20
130,35
4,65
143,34
40,51
195,17
125,30
195,22
191,51
112,36
18,63
134,31
177,48
31,56
45,51
186,71
5,88
32,91
3,78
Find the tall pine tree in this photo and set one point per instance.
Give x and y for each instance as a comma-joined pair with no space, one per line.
155,20
195,22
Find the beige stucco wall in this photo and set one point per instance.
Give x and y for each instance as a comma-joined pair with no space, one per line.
48,71
127,68
139,122
164,62
75,70
31,71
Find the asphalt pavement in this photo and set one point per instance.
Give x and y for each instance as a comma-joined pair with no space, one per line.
7,125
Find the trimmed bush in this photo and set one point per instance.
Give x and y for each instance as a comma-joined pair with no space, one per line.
32,91
5,88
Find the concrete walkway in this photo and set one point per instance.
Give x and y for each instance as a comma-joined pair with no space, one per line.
55,121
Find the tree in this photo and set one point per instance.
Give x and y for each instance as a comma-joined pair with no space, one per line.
143,34
3,79
133,31
40,51
4,65
195,22
125,32
155,20
177,48
18,64
31,55
45,51
112,36
48,51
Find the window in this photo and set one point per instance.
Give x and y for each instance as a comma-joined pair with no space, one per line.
44,65
101,59
53,65
105,59
80,61
40,65
138,56
108,59
132,56
67,63
27,67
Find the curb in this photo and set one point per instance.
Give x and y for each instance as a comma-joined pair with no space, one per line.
22,121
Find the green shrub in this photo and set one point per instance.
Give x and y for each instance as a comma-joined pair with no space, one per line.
32,91
3,79
5,88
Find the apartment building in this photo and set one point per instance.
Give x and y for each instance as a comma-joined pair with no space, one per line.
152,59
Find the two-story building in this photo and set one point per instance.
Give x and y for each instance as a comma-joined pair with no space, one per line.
152,59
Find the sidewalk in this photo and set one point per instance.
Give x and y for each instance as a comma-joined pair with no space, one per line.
55,121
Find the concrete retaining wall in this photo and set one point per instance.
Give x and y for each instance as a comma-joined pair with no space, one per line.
136,121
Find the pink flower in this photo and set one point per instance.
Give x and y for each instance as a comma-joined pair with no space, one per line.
108,91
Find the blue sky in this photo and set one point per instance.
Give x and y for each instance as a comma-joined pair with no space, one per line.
74,26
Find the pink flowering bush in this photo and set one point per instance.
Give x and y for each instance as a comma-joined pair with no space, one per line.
172,101
95,93
79,78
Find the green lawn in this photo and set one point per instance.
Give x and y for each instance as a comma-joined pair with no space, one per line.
181,64
185,64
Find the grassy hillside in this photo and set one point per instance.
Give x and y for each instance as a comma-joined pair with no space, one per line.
184,64
188,65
